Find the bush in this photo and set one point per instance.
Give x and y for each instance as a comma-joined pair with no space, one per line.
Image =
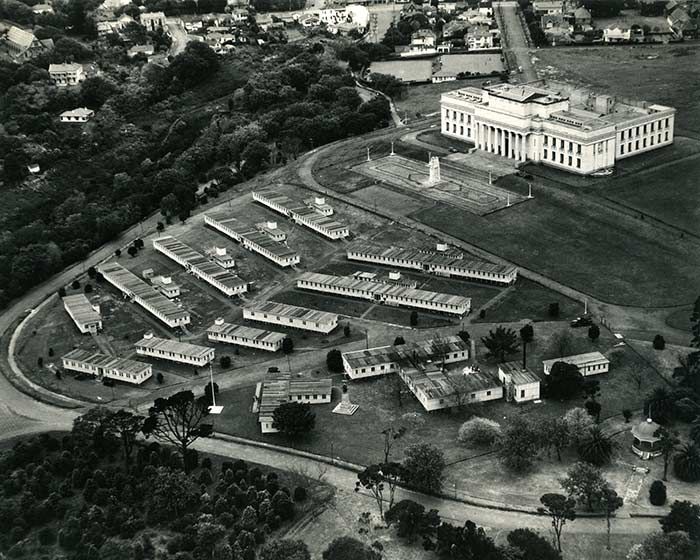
553,309
399,340
480,432
334,361
88,288
47,536
159,378
75,284
657,493
659,342
225,362
414,318
299,494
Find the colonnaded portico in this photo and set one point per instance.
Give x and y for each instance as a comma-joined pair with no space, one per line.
501,141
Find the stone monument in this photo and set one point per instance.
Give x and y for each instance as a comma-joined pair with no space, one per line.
434,168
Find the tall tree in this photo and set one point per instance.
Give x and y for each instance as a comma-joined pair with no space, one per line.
611,502
554,434
564,381
532,546
668,443
391,435
293,419
695,324
413,521
663,546
585,484
684,516
178,419
424,465
595,447
501,342
560,509
594,332
686,463
126,426
519,445
381,481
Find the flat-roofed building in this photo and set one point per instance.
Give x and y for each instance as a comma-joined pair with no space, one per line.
291,316
319,204
152,20
555,124
430,386
174,351
302,214
590,363
198,265
104,366
440,263
383,360
166,286
272,393
385,293
521,383
253,239
67,74
145,295
221,257
85,315
479,386
245,336
270,229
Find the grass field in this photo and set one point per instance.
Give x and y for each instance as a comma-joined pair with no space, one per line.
424,99
680,318
438,139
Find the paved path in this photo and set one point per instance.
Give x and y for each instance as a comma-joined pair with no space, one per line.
178,35
513,40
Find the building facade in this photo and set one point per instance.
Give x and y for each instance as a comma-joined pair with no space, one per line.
85,315
590,363
79,115
521,384
174,351
270,394
291,316
240,335
152,20
528,122
66,74
103,366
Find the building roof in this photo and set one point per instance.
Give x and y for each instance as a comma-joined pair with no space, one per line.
432,382
582,13
436,258
579,359
249,333
421,351
146,292
385,289
277,391
254,235
64,68
105,361
173,346
646,430
524,93
301,209
82,112
20,37
81,309
292,311
518,374
480,381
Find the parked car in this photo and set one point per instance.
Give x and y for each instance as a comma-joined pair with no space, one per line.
584,321
273,369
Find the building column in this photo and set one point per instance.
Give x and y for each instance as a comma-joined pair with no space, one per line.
504,134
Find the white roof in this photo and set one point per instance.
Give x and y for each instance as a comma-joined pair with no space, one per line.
79,112
65,67
579,359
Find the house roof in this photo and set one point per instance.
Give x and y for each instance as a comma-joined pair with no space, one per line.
518,374
480,381
79,112
292,311
81,309
20,37
277,391
248,333
581,13
646,430
579,359
107,362
65,67
173,346
422,351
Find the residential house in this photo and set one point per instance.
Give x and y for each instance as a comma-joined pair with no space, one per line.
22,44
67,74
582,18
39,9
479,37
521,383
153,20
79,115
682,24
146,50
85,315
617,34
114,25
548,7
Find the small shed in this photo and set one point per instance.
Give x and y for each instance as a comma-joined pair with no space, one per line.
646,439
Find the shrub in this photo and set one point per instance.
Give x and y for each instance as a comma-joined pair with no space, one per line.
88,288
334,361
480,432
206,463
205,477
75,284
399,340
659,342
225,362
159,378
299,494
414,318
657,493
553,309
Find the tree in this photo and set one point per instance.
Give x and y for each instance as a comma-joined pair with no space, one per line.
391,435
287,345
594,332
611,502
225,362
465,543
424,465
293,419
527,334
378,479
584,484
178,420
285,549
695,324
399,340
659,343
412,520
668,443
500,342
464,336
561,344
663,546
686,463
346,331
519,445
657,493
660,405
347,548
560,509
171,494
169,205
132,251
579,422
414,318
532,546
334,361
126,426
627,415
554,434
684,516
564,381
480,432
593,408
89,432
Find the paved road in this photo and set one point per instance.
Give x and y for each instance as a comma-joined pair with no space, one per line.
513,40
179,36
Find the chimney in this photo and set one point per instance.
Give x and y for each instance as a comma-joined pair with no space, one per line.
219,321
441,246
319,200
271,225
148,335
96,307
394,275
220,251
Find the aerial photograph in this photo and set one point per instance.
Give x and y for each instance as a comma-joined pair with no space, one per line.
350,279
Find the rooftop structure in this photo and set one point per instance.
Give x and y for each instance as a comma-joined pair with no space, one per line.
245,336
302,214
270,229
522,384
291,316
85,315
386,293
555,126
590,363
145,295
274,392
79,115
23,44
254,240
104,366
200,266
441,263
174,351
166,286
646,442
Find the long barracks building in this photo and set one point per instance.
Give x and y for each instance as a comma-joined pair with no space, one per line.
104,366
174,350
144,294
309,216
245,336
556,125
254,240
200,266
291,316
435,262
386,293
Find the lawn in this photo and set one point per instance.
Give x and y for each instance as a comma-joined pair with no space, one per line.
680,318
424,99
438,139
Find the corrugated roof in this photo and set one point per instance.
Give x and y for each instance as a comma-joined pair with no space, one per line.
81,309
248,333
105,361
292,311
579,359
173,346
518,374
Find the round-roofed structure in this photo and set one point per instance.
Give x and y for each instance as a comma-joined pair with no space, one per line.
646,441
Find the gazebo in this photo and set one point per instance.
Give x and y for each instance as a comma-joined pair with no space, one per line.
646,442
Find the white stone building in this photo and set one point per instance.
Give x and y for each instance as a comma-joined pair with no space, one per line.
291,316
531,122
174,351
521,383
590,363
240,335
152,20
104,366
67,74
85,315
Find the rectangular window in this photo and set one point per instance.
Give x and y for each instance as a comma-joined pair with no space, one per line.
561,144
461,117
545,154
571,160
522,393
622,149
659,138
571,146
454,128
645,129
578,163
454,115
461,130
666,123
636,145
644,143
666,135
561,158
637,131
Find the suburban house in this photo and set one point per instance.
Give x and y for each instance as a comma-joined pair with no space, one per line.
291,316
245,336
590,363
67,74
152,20
114,25
548,7
200,266
270,394
144,294
479,37
85,315
617,34
103,366
521,383
174,351
146,50
79,115
39,9
582,17
682,24
23,44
